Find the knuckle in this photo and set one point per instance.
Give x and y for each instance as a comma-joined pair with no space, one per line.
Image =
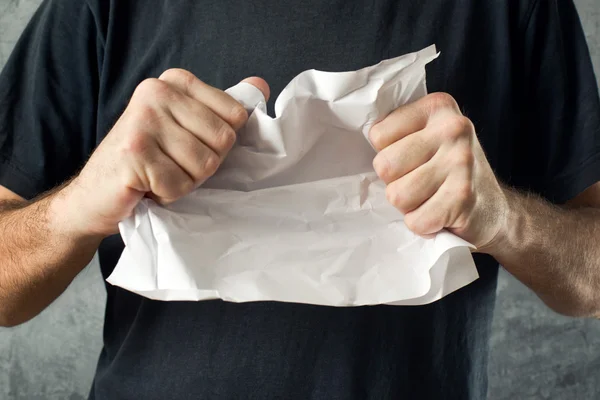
421,224
144,88
457,126
168,74
136,142
172,74
211,164
376,135
238,116
441,100
382,167
152,88
466,124
411,222
394,197
226,137
182,76
186,185
170,183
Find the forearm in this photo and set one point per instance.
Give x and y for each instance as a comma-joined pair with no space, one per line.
39,256
553,250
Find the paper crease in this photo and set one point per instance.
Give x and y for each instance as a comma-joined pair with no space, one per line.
296,212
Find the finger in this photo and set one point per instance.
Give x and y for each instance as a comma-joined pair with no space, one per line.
400,123
442,210
412,190
200,121
165,180
218,101
431,216
405,155
260,84
194,156
411,118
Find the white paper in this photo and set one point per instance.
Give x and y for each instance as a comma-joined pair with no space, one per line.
296,212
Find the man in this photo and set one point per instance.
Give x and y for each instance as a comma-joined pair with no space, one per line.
138,87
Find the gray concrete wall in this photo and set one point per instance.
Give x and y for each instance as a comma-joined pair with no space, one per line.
535,353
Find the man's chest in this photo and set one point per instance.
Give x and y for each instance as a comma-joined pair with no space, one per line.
224,42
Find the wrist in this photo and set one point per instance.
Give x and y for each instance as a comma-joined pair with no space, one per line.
66,213
512,226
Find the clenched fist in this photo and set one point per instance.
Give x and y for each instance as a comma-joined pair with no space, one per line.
173,135
436,171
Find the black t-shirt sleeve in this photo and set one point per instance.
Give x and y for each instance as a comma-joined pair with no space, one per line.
48,98
558,146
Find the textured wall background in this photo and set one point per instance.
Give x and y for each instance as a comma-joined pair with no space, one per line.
535,353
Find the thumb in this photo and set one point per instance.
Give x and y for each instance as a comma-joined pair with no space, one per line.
260,84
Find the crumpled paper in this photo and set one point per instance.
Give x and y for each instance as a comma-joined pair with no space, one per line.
296,212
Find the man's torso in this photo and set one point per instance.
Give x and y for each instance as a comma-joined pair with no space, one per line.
264,350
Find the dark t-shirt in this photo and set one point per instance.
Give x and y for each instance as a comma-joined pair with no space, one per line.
519,69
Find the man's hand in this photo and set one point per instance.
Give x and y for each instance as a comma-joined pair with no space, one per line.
436,171
173,135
